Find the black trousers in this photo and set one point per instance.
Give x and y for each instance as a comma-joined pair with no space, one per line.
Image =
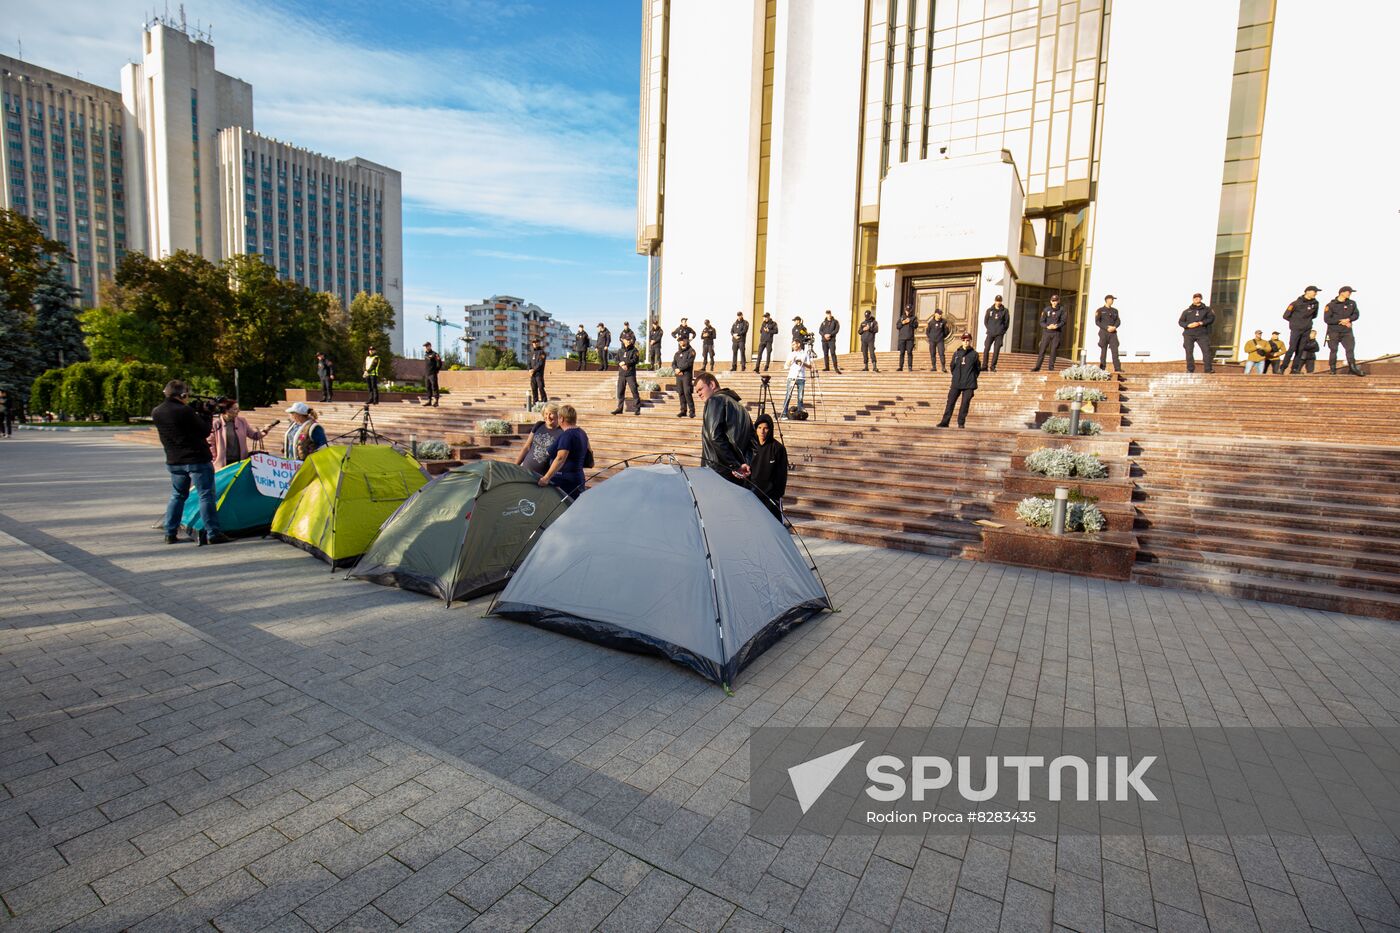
867,354
1345,339
431,383
953,395
655,354
1198,337
935,355
739,355
1108,343
707,354
685,388
829,355
602,357
373,383
1049,346
763,347
537,392
1296,339
626,379
991,350
906,348
7,422
327,390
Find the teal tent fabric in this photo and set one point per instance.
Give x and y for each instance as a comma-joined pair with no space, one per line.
242,510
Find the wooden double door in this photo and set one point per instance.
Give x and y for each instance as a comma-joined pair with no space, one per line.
955,295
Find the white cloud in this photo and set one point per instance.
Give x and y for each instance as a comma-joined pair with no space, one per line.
497,142
525,257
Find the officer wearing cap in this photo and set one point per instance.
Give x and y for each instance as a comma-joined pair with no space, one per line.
654,336
1195,324
604,342
537,361
829,328
1106,318
432,365
905,329
963,383
707,346
1052,327
739,343
766,332
937,333
996,321
799,330
627,333
1300,314
684,363
1341,313
581,345
627,360
867,330
684,330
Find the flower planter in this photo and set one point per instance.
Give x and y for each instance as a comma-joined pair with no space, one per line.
1121,516
1109,489
1108,422
1108,554
436,467
1111,448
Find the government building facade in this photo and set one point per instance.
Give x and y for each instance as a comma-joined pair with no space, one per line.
796,156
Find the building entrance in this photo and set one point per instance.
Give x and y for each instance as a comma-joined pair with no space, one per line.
956,295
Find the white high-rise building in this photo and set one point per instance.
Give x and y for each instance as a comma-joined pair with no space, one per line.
797,156
507,322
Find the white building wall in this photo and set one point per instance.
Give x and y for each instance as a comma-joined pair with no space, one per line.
1164,127
712,128
1328,206
813,167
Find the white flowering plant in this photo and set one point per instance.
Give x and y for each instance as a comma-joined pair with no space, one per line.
1060,425
1082,516
1084,372
493,426
434,450
1067,394
1063,462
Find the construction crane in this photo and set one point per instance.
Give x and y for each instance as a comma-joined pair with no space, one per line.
441,322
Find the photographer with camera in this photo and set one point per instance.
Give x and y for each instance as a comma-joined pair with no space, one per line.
799,361
184,433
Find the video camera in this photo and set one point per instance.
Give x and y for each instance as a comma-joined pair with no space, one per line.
206,406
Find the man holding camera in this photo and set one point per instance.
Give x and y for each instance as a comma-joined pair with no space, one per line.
799,361
185,436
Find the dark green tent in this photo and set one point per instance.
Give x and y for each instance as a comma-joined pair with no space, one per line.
458,536
242,510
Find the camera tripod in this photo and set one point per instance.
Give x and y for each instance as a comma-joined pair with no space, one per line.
366,429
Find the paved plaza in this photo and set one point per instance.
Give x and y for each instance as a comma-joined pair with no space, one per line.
236,738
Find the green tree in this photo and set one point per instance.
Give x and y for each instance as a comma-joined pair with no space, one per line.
271,328
58,337
133,389
44,396
82,393
18,360
26,259
335,341
371,322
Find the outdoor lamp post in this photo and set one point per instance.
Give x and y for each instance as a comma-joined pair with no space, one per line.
1076,408
1057,521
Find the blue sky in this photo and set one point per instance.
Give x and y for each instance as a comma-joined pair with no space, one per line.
514,125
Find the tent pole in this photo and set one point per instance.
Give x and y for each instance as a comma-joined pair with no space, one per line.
714,577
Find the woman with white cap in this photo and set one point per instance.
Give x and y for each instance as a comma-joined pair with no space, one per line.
304,436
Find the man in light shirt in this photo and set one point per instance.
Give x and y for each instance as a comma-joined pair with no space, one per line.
799,361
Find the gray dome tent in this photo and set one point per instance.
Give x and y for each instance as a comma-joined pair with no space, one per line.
721,582
458,536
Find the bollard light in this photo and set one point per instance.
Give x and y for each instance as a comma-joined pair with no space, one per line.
1076,408
1057,521
413,446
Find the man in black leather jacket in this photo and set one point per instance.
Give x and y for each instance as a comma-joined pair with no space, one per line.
727,438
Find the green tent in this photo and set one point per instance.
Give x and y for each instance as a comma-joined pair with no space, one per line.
459,536
241,508
340,497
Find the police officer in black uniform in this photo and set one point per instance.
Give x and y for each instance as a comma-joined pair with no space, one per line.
905,328
799,330
1052,328
432,365
627,333
1106,319
707,346
683,330
996,321
604,343
627,359
937,333
684,362
867,330
739,343
537,361
581,345
1195,324
828,329
325,370
963,385
1300,314
654,342
1341,313
766,332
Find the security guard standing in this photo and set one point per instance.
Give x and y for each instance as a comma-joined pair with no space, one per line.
799,330
581,345
996,321
371,374
937,333
766,332
707,346
604,343
1106,319
1052,327
1340,315
432,365
627,373
1300,314
908,323
684,362
867,330
963,385
829,328
684,330
626,333
654,336
537,361
739,343
1195,324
